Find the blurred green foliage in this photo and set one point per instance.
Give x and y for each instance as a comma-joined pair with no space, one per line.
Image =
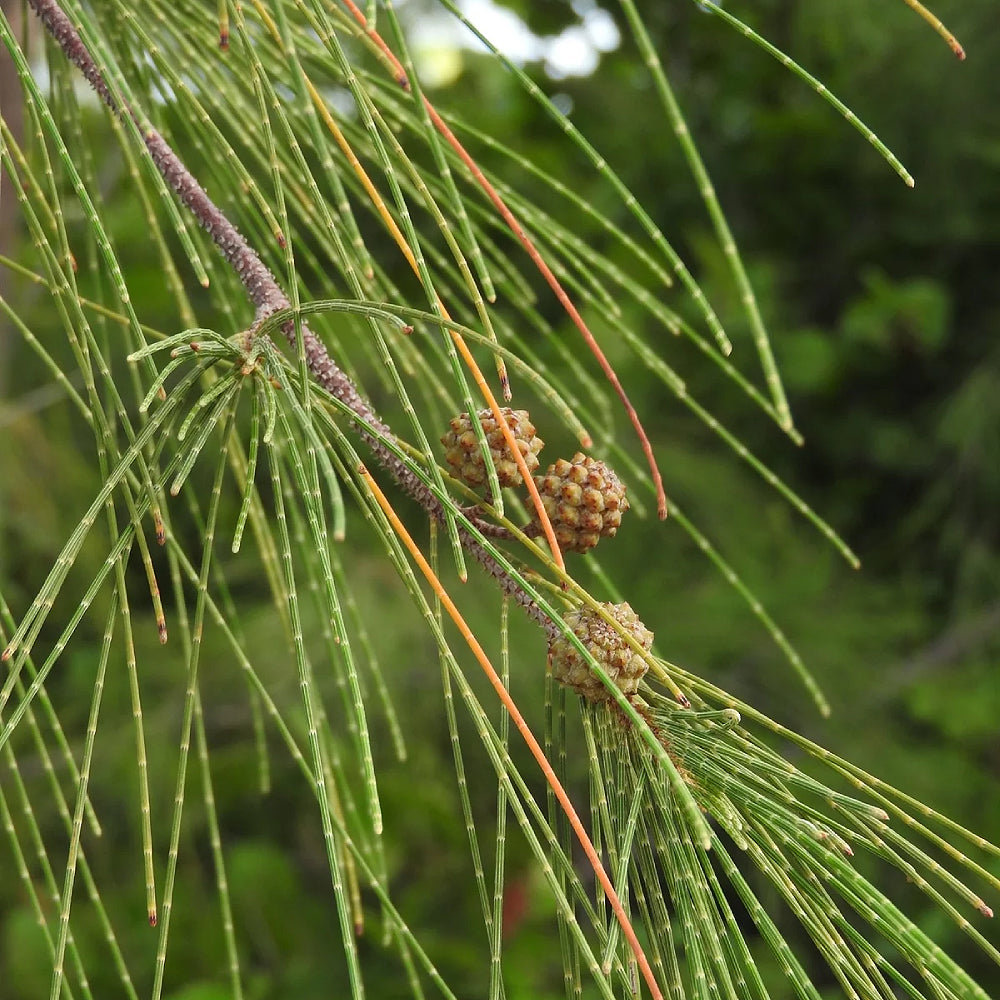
883,307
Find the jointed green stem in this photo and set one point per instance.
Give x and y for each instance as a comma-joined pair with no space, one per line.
190,699
81,802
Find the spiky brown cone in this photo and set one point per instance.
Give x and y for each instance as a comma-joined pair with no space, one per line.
584,499
606,645
462,447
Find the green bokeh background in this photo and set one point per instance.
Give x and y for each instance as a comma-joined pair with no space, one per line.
883,307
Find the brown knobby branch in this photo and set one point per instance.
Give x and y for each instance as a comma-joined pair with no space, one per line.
268,297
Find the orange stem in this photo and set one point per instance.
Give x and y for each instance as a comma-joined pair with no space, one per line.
529,247
938,25
457,338
525,731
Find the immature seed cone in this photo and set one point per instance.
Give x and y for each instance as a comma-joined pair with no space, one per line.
584,499
462,448
623,664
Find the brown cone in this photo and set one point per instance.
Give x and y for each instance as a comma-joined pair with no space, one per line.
584,499
462,447
606,645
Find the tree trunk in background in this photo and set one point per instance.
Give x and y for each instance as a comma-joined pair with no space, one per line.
10,108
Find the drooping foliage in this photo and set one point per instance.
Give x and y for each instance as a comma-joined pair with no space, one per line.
264,424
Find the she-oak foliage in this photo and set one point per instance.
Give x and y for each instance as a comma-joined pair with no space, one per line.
726,850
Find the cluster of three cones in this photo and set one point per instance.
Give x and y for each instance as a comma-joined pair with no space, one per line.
584,499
